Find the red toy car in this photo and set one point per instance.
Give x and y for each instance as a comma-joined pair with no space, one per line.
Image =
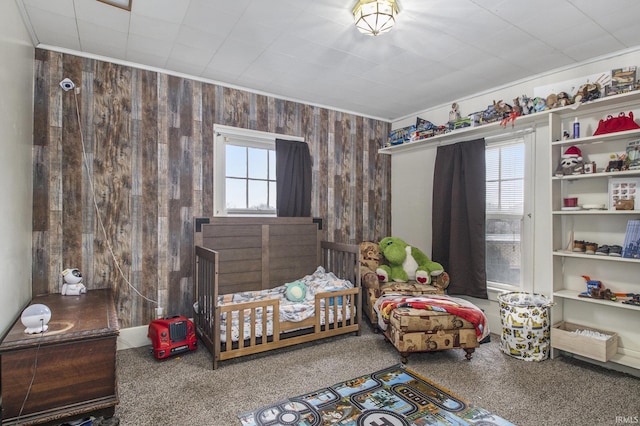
172,335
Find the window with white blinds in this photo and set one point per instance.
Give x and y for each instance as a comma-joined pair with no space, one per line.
506,182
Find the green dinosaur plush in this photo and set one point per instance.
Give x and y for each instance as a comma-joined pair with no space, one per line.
406,263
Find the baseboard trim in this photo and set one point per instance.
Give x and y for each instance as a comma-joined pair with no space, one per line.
133,337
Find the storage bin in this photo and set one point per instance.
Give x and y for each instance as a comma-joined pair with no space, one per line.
526,325
563,337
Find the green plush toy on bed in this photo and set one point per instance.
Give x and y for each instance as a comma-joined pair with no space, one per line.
406,263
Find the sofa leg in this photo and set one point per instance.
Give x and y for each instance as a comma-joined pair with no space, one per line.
469,353
404,357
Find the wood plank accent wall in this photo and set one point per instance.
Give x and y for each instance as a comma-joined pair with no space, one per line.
148,145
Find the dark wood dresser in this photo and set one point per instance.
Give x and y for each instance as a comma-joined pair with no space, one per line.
74,362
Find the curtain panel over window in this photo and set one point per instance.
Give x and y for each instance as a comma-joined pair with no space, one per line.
458,220
293,178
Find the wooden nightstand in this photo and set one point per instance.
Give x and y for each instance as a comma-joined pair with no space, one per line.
76,362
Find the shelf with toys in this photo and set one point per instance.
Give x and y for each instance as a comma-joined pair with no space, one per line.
485,130
598,209
580,255
600,174
593,200
602,105
570,294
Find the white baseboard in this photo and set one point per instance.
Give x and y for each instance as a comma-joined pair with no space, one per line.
133,337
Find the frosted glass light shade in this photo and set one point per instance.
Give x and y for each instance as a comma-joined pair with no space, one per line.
35,318
373,17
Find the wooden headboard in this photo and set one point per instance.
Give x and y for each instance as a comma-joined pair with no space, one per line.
260,253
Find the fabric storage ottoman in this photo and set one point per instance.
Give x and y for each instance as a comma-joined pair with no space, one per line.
373,293
416,330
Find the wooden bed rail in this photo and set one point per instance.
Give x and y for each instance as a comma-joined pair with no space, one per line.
285,333
206,294
344,261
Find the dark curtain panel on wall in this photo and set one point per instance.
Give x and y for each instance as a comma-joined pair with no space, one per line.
293,178
459,185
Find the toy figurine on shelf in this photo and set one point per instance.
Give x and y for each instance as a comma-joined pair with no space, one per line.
454,114
539,104
516,111
527,104
635,300
571,163
595,290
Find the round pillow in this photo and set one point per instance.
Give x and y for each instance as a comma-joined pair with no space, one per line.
296,291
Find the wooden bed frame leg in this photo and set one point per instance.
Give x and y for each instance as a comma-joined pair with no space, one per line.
404,357
469,353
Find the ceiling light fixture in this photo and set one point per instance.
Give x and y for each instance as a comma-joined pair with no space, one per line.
122,4
373,17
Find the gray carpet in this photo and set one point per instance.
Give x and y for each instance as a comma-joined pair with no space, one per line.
186,391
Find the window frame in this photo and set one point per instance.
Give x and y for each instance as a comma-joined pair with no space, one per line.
227,135
527,138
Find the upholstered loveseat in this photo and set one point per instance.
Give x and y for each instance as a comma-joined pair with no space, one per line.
413,330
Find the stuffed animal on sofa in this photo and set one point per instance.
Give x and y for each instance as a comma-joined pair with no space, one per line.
406,263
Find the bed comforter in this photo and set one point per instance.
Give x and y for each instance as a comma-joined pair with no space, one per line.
440,303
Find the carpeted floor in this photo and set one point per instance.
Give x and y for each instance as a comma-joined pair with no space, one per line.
186,391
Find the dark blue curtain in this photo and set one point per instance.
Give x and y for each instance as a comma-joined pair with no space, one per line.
293,178
459,216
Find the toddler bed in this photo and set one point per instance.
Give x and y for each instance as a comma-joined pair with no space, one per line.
263,284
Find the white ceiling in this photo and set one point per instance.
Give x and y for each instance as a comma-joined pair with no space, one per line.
310,51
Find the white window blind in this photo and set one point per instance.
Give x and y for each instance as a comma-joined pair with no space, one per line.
505,208
505,178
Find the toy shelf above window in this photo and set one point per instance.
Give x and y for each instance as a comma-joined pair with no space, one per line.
605,105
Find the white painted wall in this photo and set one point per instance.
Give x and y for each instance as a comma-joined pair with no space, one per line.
411,196
16,139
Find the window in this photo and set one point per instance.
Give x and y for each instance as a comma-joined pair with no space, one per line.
508,239
245,171
249,178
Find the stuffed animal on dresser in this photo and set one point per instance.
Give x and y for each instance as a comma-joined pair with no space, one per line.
72,282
